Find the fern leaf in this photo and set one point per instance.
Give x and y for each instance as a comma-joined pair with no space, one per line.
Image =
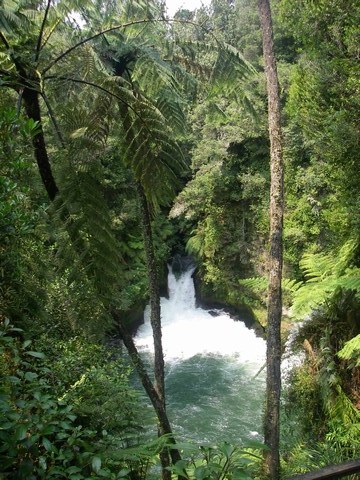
351,350
255,284
259,285
325,273
89,229
196,245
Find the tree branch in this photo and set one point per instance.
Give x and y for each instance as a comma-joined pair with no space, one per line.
92,37
5,42
38,45
53,119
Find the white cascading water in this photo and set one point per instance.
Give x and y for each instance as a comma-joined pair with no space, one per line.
211,362
291,358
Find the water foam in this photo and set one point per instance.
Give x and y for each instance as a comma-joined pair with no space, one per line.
188,331
211,362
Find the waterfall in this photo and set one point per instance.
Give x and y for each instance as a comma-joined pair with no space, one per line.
210,364
291,359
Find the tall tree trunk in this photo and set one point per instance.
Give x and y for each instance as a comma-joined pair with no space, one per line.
154,295
158,404
30,95
155,319
273,385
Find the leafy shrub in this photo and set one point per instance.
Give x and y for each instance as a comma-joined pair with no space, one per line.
221,462
40,436
95,380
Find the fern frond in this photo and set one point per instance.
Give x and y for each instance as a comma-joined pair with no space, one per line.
154,156
351,350
341,409
291,285
88,128
12,18
255,284
95,250
260,285
154,74
172,108
325,273
319,265
196,245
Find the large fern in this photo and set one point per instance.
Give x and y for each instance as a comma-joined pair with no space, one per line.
259,285
324,274
89,246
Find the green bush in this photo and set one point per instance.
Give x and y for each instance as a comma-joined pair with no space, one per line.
40,435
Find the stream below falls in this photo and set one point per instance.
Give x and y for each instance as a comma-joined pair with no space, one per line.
211,361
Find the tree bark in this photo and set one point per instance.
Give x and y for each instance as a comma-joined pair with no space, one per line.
273,385
155,320
32,109
154,295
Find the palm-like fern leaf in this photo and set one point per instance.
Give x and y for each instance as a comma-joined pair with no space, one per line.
12,17
151,151
93,248
325,273
351,350
172,107
259,285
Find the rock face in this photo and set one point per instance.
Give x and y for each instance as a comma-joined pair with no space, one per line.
181,264
208,300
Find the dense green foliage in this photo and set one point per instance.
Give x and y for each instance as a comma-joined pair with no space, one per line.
177,109
48,435
323,391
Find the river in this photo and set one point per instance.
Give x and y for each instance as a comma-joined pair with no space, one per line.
211,361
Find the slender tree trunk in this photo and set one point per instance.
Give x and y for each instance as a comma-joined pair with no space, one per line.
155,319
273,386
30,95
32,109
154,295
158,404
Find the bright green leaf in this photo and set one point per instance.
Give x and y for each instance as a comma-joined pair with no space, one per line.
36,354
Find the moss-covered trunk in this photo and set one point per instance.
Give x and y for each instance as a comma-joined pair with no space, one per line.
273,386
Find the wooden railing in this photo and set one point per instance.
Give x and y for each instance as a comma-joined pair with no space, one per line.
332,472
